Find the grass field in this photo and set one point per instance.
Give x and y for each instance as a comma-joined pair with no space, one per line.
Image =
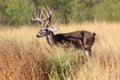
25,57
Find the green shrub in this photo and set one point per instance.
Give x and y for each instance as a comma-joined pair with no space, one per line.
62,62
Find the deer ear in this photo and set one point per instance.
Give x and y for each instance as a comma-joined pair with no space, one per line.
53,29
94,34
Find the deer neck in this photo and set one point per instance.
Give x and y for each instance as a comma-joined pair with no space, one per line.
50,38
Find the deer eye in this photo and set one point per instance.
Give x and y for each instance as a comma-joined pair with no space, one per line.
44,30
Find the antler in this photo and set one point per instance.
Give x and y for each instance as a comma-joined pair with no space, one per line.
44,18
49,15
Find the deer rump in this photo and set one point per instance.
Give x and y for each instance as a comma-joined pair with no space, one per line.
79,39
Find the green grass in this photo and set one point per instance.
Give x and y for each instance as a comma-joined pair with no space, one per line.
25,57
62,63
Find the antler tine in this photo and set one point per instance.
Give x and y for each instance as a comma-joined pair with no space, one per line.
43,17
41,13
49,11
47,18
35,12
34,16
49,15
40,16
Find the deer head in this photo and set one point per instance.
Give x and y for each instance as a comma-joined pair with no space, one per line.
45,20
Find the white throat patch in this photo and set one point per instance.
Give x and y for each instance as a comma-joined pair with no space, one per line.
48,38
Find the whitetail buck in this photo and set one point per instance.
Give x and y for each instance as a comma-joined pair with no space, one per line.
79,39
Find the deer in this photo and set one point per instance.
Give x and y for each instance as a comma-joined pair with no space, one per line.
82,40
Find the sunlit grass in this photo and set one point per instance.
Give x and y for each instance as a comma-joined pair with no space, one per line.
23,56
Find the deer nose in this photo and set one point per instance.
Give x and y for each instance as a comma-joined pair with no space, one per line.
37,35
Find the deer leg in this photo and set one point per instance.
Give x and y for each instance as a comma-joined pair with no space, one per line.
88,52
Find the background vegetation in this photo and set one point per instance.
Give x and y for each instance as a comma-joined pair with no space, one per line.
18,12
25,57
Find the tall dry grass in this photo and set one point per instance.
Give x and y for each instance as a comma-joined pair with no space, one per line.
24,57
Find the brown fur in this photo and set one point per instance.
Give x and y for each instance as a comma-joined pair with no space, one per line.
79,39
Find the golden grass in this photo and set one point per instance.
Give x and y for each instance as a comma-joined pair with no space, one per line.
22,55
